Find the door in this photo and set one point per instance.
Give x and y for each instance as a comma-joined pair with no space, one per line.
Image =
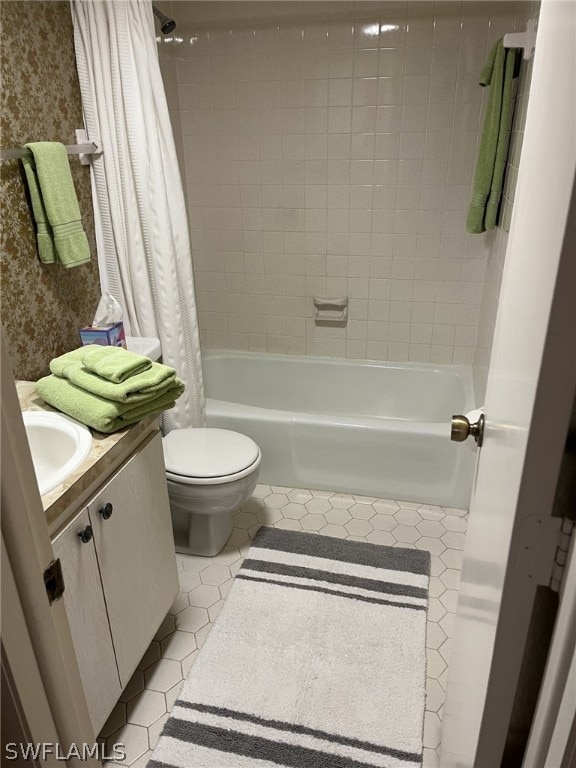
26,715
135,547
531,385
88,619
556,711
37,644
562,748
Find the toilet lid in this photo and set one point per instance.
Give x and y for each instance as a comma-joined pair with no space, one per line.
205,453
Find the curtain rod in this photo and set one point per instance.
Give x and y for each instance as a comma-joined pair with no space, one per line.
89,148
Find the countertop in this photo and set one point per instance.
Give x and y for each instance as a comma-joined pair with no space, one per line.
108,452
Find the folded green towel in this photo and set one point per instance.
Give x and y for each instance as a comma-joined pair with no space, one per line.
96,412
114,363
55,188
44,236
491,163
157,380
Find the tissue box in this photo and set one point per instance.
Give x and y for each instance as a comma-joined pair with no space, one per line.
105,335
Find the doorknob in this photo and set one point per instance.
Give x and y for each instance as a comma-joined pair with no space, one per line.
462,428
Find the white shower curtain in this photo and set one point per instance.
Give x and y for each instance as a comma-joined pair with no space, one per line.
142,228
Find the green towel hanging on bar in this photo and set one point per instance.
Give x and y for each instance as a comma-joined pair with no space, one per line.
61,237
487,188
44,236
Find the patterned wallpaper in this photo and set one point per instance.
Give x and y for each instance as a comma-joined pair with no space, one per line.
42,305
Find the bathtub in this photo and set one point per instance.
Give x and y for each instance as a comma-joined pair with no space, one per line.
361,427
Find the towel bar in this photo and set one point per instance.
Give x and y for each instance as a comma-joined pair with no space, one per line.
525,40
89,148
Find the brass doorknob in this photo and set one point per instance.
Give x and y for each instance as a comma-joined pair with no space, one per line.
462,429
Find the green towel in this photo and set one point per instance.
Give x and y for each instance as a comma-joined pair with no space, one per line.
56,191
157,380
498,74
96,412
114,363
44,236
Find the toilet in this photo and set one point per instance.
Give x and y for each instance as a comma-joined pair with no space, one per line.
210,473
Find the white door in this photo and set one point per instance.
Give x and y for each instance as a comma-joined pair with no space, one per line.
531,385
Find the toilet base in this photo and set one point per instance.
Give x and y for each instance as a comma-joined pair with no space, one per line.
200,534
202,514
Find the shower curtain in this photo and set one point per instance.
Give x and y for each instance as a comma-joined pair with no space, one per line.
141,223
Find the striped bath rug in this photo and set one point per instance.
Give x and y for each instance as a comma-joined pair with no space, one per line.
317,660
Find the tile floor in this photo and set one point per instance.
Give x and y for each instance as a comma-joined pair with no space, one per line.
139,716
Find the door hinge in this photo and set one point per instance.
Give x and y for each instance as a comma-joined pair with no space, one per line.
544,542
561,555
54,580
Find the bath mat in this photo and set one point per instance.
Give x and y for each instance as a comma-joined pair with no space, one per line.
317,660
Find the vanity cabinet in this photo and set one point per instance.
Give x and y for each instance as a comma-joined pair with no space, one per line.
120,575
86,609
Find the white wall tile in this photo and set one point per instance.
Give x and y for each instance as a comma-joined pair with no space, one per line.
332,148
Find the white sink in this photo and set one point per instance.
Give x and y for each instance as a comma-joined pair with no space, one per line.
147,346
58,446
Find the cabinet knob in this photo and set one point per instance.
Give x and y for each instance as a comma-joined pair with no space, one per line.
85,534
106,511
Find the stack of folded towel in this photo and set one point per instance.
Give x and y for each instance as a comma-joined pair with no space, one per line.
109,388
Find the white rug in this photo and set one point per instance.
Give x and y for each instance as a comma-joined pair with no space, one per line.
317,660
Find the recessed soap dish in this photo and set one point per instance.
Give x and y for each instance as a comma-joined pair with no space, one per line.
330,311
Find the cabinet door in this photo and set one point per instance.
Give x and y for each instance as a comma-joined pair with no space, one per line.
88,620
136,555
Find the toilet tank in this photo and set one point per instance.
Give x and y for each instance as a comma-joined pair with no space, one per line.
145,345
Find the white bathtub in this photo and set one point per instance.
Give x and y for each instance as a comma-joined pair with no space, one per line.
363,427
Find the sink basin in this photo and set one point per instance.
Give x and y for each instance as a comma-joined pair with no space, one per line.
147,346
58,445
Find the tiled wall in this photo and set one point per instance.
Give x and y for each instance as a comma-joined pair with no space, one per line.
498,244
42,305
329,150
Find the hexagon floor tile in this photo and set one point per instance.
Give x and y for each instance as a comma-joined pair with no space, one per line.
205,582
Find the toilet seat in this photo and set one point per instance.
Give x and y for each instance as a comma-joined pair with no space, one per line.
208,456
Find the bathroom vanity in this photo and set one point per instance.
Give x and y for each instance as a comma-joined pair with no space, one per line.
111,530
